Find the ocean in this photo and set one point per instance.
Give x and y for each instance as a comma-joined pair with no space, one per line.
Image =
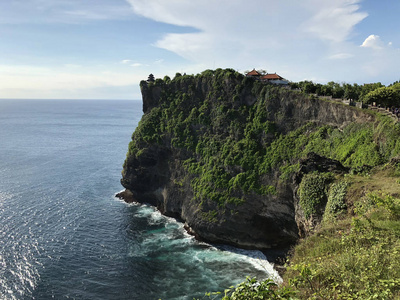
63,234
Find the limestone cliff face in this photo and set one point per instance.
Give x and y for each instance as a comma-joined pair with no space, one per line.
204,153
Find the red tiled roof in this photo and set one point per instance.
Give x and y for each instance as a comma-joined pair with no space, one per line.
271,77
253,73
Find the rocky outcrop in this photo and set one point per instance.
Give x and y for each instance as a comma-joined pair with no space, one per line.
156,171
312,163
317,163
146,175
291,110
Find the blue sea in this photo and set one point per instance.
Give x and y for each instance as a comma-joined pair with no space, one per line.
63,234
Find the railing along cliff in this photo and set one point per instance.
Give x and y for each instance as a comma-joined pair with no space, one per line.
383,111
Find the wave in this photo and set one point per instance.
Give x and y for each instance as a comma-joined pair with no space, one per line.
166,236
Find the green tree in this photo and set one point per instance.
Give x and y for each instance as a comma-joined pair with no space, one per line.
367,88
351,91
307,86
385,96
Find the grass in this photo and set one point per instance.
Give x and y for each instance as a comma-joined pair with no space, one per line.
357,256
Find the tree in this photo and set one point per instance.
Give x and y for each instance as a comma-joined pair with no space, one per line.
351,91
385,96
307,86
318,89
367,88
167,79
326,90
337,89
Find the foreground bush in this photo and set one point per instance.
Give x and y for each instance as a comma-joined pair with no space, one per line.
253,289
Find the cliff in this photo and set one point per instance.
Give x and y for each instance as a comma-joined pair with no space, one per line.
226,154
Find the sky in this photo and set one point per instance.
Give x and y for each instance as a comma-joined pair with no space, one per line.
102,49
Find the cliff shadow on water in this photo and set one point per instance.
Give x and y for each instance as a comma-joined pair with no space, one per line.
243,162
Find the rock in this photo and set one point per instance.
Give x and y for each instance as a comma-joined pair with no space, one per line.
316,163
126,195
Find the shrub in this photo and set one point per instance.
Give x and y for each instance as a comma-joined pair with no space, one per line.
253,289
388,202
336,200
313,192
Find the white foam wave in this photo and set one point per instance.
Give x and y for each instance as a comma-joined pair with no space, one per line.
258,260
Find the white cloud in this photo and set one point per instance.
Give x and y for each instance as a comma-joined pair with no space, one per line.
88,15
235,24
341,56
158,61
189,45
131,63
334,20
283,36
61,11
258,19
373,41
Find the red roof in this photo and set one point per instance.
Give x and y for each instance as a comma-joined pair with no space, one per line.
253,73
272,77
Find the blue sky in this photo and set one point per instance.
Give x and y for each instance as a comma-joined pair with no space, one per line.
101,49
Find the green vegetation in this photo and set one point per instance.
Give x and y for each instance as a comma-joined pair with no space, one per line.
337,90
367,93
385,96
336,203
222,133
313,192
252,289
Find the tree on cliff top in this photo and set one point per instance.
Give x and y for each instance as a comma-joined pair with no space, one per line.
385,96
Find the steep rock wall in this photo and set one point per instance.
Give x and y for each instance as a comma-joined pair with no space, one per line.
190,117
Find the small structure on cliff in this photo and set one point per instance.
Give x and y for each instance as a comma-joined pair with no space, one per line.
150,78
268,78
275,79
254,74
